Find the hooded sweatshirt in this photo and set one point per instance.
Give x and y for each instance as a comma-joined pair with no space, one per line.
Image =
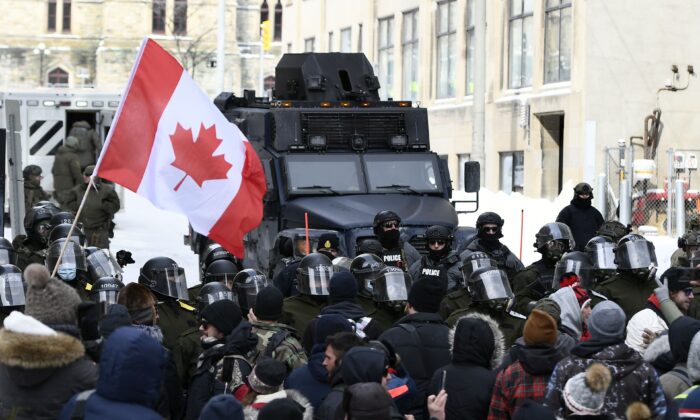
571,321
311,380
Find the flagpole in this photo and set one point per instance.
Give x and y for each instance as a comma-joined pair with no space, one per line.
72,228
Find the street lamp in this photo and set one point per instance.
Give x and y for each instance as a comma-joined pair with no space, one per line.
41,50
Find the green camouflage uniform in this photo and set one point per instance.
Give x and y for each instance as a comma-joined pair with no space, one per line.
454,301
174,317
679,258
33,193
185,354
28,252
290,351
628,291
98,212
511,323
298,311
532,284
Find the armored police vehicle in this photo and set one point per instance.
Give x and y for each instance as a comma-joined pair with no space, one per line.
335,154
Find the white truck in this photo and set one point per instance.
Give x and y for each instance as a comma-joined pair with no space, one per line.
36,123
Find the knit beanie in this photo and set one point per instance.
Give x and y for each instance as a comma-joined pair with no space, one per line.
327,325
426,294
49,300
342,288
223,314
584,393
676,278
607,321
552,308
530,410
222,407
116,316
367,400
268,304
281,409
540,329
267,376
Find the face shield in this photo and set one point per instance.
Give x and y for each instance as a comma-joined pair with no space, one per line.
580,269
170,282
392,286
469,267
104,299
247,292
602,255
8,256
633,255
224,278
73,259
101,264
341,264
490,285
315,280
11,289
216,296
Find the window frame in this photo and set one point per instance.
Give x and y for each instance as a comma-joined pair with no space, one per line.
347,31
51,15
312,41
469,29
66,16
277,32
523,56
180,17
563,4
516,156
450,35
264,11
411,45
386,52
331,40
158,15
58,84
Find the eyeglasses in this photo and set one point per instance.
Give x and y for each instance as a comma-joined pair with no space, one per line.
490,229
436,242
204,324
688,291
391,225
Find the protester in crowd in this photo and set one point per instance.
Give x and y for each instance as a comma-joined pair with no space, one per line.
582,218
680,336
223,407
574,302
688,402
285,408
399,383
530,410
584,393
366,401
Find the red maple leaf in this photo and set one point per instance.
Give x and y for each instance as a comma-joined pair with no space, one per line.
195,157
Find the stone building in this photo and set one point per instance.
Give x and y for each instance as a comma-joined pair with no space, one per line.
564,78
93,43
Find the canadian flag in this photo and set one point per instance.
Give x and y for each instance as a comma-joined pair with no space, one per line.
170,144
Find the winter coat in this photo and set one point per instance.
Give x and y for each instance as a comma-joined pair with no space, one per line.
422,341
365,326
633,378
100,205
33,193
66,171
505,259
251,412
40,373
312,379
527,378
583,220
680,336
563,346
470,376
89,144
649,318
532,284
447,269
289,350
571,320
298,311
131,372
454,301
510,322
207,380
628,291
659,354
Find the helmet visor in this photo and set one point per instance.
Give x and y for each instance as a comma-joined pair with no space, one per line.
341,264
216,296
635,254
172,280
247,292
224,278
316,280
104,299
102,264
73,257
468,267
392,286
490,285
581,269
8,256
11,289
602,256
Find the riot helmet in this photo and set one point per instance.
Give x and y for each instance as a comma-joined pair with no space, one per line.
216,252
61,231
31,170
104,292
391,285
212,292
577,263
37,224
583,188
73,259
7,252
689,242
601,252
246,285
164,277
314,274
341,264
222,271
489,284
437,235
489,218
613,230
382,217
554,239
12,288
369,246
473,262
693,222
48,205
634,252
62,217
365,268
101,263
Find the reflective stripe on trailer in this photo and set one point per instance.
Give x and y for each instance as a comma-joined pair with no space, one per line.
45,136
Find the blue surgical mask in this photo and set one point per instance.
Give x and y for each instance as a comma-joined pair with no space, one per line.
67,273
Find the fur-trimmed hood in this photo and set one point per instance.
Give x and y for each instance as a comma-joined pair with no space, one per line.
251,413
467,342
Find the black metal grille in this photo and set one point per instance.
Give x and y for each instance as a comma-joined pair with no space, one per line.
339,128
420,244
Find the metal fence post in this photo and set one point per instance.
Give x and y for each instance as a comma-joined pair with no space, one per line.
602,196
669,194
680,207
625,202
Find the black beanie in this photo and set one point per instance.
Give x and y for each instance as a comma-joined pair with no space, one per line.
426,294
342,287
223,314
268,304
267,376
677,278
281,408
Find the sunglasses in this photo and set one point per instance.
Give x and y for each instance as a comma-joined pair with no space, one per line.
489,229
688,291
391,225
436,242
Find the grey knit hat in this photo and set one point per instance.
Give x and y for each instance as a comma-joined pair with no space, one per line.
49,300
607,321
584,393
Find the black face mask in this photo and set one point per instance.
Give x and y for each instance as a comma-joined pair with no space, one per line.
390,238
437,255
582,202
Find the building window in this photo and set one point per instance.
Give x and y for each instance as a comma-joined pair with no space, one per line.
512,170
309,44
180,17
346,40
446,59
66,15
58,77
461,160
330,41
359,37
471,12
409,47
521,43
385,53
158,17
51,25
557,44
278,21
264,12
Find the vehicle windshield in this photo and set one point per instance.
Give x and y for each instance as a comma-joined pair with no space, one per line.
327,174
403,173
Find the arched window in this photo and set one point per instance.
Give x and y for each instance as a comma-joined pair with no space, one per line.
278,21
264,12
58,77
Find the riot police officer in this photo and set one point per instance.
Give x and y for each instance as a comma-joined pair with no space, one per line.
104,292
12,296
601,252
101,263
246,285
7,252
613,230
62,230
72,267
573,268
634,282
395,252
313,278
168,283
217,264
687,245
441,263
31,248
285,271
341,264
535,281
490,292
460,298
366,268
390,292
490,226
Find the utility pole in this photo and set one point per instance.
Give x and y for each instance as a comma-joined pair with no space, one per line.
479,108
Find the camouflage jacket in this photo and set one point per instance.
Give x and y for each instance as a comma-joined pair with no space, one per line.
289,351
